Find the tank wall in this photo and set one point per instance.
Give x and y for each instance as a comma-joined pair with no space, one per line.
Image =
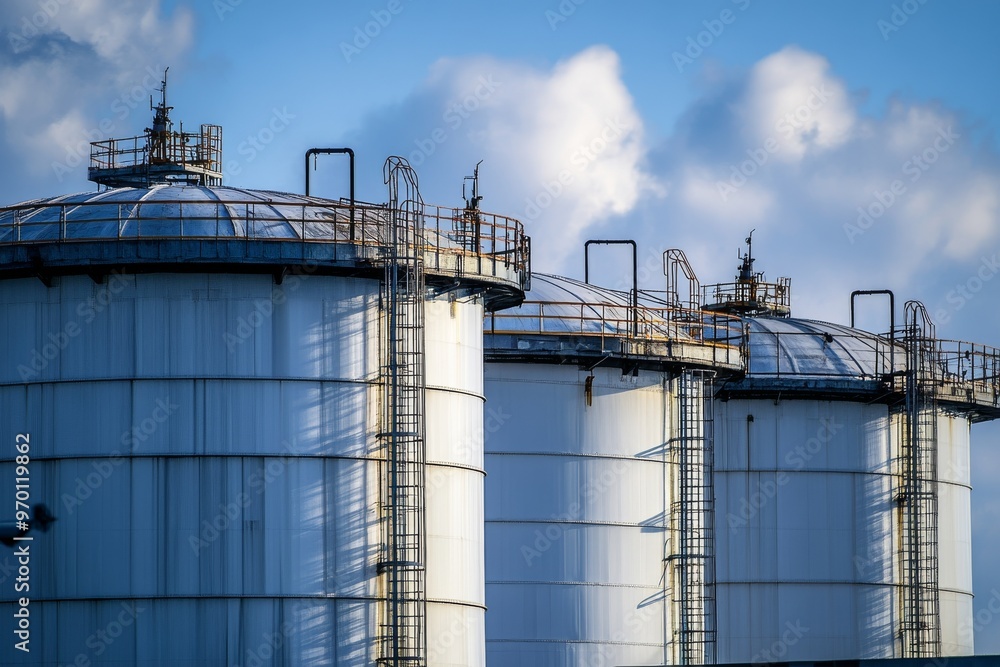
814,511
575,525
954,531
804,531
208,445
955,535
454,495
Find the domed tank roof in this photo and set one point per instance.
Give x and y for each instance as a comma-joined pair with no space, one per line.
810,348
180,225
173,210
566,305
562,318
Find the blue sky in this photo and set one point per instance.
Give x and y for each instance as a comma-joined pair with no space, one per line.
862,86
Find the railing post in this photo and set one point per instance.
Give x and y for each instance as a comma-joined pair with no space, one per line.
777,353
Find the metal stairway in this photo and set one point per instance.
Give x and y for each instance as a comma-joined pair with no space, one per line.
690,550
917,493
402,624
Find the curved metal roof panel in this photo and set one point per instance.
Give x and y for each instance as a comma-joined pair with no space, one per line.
810,348
174,210
555,304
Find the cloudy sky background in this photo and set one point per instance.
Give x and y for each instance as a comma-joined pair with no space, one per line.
678,125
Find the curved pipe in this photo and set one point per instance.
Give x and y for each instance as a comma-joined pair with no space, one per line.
339,151
674,259
635,273
892,318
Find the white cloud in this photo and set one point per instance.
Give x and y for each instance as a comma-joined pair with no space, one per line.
803,194
564,147
64,62
792,98
698,190
717,177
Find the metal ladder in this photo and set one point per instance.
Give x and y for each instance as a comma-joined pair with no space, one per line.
690,551
402,624
917,493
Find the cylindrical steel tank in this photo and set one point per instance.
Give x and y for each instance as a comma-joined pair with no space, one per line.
198,370
581,414
808,499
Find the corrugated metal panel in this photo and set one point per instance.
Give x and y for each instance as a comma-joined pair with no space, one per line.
208,446
806,531
575,524
454,485
955,535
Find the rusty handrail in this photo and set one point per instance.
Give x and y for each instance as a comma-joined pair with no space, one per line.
496,238
608,319
969,366
771,294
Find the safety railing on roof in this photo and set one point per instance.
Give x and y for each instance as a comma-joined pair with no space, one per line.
484,243
723,333
751,296
970,367
199,149
965,366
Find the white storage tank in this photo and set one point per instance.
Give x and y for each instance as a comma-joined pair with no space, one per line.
815,545
198,368
582,433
